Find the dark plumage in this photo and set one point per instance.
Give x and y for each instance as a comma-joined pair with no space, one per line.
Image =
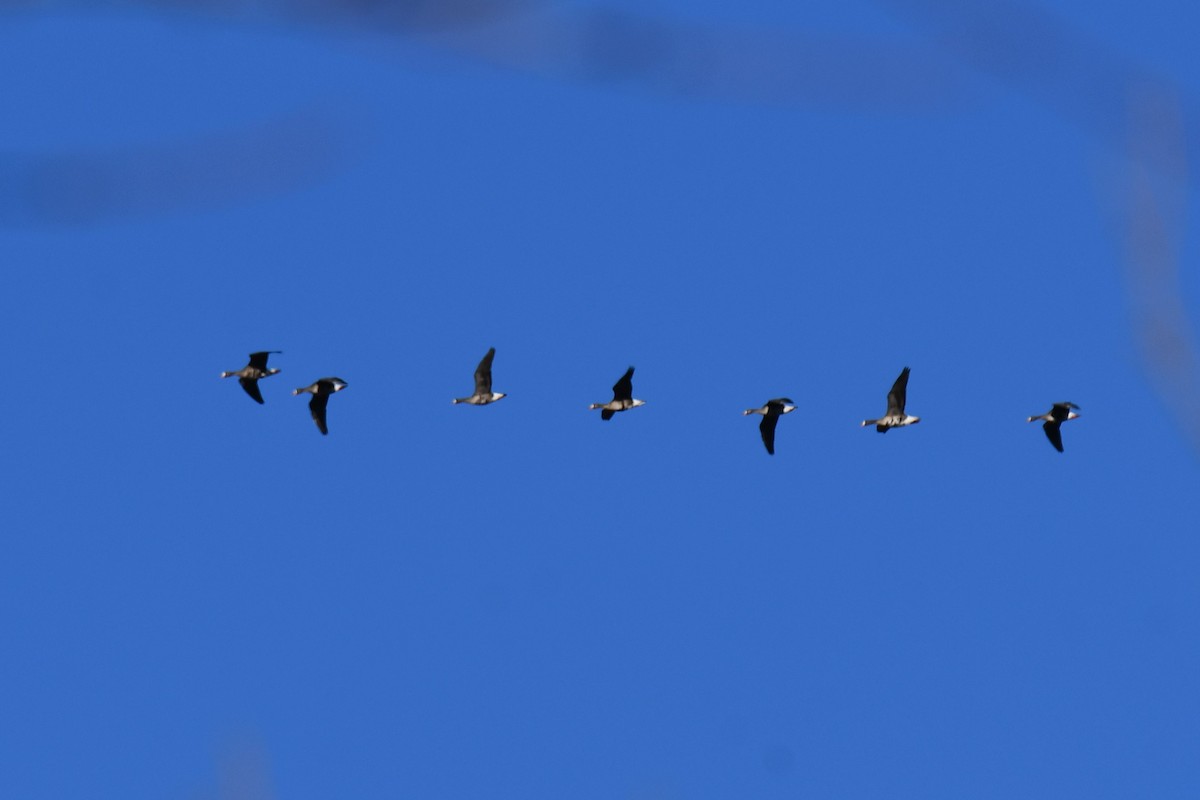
622,397
770,418
320,390
483,384
895,416
1053,420
249,375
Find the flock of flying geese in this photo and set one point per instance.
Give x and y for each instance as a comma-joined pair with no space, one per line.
623,400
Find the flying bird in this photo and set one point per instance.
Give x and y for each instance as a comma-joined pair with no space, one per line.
320,391
895,416
1054,418
483,384
770,418
248,376
622,397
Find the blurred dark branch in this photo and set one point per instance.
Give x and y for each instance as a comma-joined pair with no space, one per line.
763,65
778,67
1157,210
196,174
608,46
1035,51
244,774
1043,56
396,16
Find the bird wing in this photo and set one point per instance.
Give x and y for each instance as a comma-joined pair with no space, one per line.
777,405
607,413
897,396
317,406
623,389
251,387
1053,429
483,374
1061,411
259,360
767,428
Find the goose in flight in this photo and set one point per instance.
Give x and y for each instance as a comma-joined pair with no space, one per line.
622,397
483,384
249,375
770,417
320,390
895,416
1054,418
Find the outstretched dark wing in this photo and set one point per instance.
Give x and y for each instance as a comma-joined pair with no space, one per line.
483,374
1061,411
623,389
317,406
259,360
607,413
1053,429
897,396
251,387
767,428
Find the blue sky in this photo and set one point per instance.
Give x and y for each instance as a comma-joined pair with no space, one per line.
204,598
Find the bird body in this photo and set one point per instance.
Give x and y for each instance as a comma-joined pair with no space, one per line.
623,399
770,417
249,375
320,391
483,384
895,416
1053,420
